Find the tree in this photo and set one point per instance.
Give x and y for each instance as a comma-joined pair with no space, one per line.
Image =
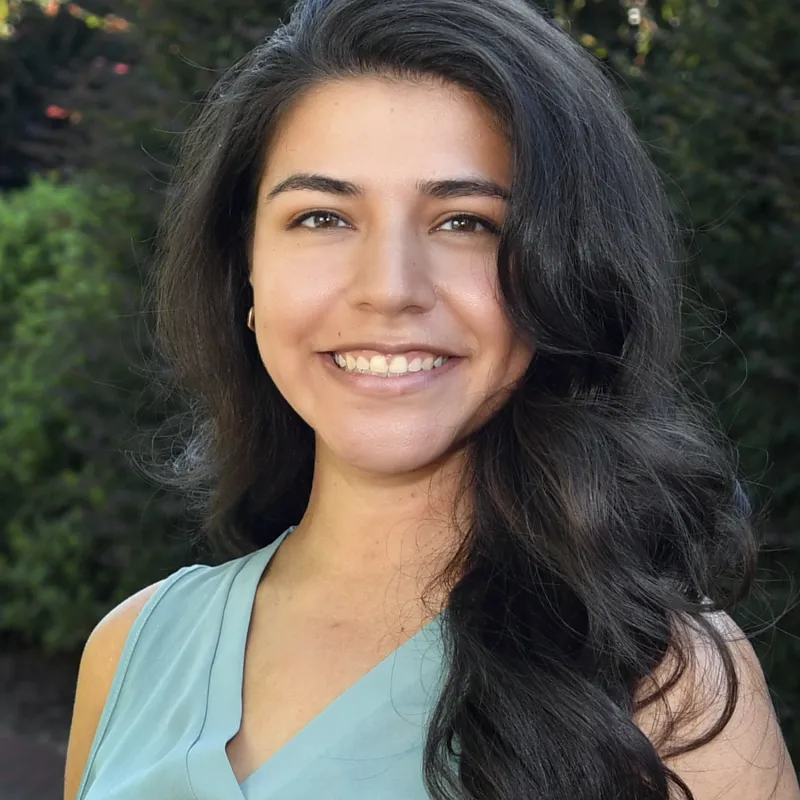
51,58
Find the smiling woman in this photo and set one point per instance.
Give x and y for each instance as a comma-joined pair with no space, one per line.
389,283
476,527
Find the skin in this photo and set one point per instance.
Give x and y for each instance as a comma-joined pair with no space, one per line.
391,263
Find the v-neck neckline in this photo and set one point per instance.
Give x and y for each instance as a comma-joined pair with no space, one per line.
224,707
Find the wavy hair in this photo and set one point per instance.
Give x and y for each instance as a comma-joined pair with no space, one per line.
605,503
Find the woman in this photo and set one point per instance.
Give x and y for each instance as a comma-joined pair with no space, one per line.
419,280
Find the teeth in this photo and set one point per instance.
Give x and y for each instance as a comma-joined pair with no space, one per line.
398,366
384,367
379,364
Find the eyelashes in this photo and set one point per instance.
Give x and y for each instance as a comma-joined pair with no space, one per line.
331,217
318,213
474,219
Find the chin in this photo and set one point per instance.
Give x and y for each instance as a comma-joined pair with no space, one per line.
391,460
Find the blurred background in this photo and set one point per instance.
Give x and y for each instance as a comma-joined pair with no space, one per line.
93,98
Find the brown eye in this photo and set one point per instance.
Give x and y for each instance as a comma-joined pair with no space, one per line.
320,220
467,223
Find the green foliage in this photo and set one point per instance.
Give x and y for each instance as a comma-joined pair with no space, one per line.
727,132
78,531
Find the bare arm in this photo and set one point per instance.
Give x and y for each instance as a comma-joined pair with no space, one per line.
749,759
98,665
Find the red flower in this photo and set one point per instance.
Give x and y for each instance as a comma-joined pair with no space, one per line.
56,112
122,69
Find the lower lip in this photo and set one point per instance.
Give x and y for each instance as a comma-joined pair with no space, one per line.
402,384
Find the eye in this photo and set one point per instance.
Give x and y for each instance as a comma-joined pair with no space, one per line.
468,223
327,220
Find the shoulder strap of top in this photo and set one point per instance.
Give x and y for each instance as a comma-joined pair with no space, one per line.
167,657
129,647
182,619
167,586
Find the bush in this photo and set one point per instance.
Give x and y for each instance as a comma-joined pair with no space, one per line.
79,530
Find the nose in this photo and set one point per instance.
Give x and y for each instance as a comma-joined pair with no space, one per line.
392,274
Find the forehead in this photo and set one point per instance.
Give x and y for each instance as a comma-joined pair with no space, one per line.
385,131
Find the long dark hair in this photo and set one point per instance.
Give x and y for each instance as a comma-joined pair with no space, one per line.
604,499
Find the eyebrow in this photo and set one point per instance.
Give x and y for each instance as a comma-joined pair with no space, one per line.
440,190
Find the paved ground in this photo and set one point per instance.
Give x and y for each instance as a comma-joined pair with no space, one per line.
30,770
36,695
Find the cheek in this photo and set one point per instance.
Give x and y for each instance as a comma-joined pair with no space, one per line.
478,297
509,356
291,293
286,337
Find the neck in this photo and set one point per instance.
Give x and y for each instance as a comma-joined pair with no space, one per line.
370,533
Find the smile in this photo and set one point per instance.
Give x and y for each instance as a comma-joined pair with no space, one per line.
389,366
417,374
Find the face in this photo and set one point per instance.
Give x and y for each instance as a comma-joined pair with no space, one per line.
374,271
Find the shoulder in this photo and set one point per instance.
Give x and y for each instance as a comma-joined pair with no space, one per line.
106,643
188,596
101,659
98,665
747,758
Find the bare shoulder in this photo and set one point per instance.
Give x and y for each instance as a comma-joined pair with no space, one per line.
101,655
748,758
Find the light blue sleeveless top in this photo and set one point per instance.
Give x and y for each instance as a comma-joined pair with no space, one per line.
176,700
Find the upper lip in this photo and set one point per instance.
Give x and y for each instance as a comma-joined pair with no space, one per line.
396,347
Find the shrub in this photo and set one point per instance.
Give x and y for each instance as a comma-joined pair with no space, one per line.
79,530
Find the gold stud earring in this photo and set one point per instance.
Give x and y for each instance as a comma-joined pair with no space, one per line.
251,319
